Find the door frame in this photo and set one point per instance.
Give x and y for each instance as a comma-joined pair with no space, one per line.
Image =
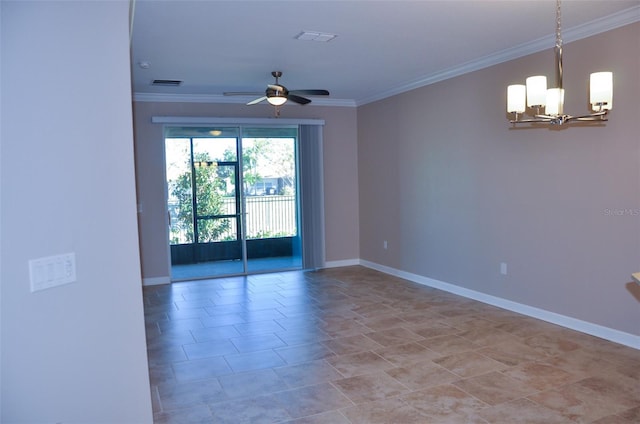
241,202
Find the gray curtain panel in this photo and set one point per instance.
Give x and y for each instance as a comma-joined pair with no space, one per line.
311,196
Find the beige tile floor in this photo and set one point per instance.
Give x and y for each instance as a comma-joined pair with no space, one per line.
352,345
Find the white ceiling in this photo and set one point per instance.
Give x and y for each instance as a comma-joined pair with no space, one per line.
382,47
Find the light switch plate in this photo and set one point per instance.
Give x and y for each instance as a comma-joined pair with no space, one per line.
52,271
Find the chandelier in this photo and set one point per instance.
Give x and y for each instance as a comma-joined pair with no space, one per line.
535,95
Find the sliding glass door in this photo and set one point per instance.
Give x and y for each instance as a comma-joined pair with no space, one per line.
270,200
232,200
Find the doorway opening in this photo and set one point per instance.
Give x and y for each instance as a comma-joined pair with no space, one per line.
232,200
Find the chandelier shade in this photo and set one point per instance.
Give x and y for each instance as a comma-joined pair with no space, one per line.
516,98
601,90
554,101
536,91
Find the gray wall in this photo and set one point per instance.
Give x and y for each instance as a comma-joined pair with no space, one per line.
456,191
340,175
76,353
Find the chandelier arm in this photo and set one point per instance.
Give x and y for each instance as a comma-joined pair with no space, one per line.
563,119
592,119
597,116
528,121
591,115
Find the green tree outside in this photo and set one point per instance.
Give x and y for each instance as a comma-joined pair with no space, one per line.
260,154
209,189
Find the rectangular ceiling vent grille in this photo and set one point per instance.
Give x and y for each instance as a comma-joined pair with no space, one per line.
166,83
322,37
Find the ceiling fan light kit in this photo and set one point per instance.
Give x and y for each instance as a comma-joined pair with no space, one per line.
276,99
535,94
277,94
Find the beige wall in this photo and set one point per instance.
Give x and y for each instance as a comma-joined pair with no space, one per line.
74,353
340,175
456,191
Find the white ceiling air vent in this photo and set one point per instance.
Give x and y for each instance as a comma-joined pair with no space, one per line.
315,36
166,83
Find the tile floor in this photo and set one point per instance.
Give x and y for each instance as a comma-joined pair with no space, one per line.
352,345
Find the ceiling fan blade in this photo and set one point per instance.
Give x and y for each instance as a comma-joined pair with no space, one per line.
256,101
243,93
311,92
298,99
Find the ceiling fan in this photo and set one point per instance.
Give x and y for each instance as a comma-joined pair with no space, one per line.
277,94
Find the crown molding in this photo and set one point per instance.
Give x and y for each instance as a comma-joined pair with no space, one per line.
607,23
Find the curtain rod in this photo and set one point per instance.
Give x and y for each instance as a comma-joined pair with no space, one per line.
233,121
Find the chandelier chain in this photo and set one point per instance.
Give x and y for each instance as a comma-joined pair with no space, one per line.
558,25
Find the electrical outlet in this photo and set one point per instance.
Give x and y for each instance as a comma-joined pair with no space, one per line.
503,268
52,271
384,245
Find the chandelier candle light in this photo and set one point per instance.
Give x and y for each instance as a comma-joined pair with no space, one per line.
535,95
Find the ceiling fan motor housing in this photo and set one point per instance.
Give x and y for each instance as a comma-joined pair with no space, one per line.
277,91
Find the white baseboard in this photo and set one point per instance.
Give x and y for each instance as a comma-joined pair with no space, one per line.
156,281
346,262
606,333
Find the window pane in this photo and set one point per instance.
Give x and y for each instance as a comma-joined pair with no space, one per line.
269,174
215,182
217,229
227,181
178,159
